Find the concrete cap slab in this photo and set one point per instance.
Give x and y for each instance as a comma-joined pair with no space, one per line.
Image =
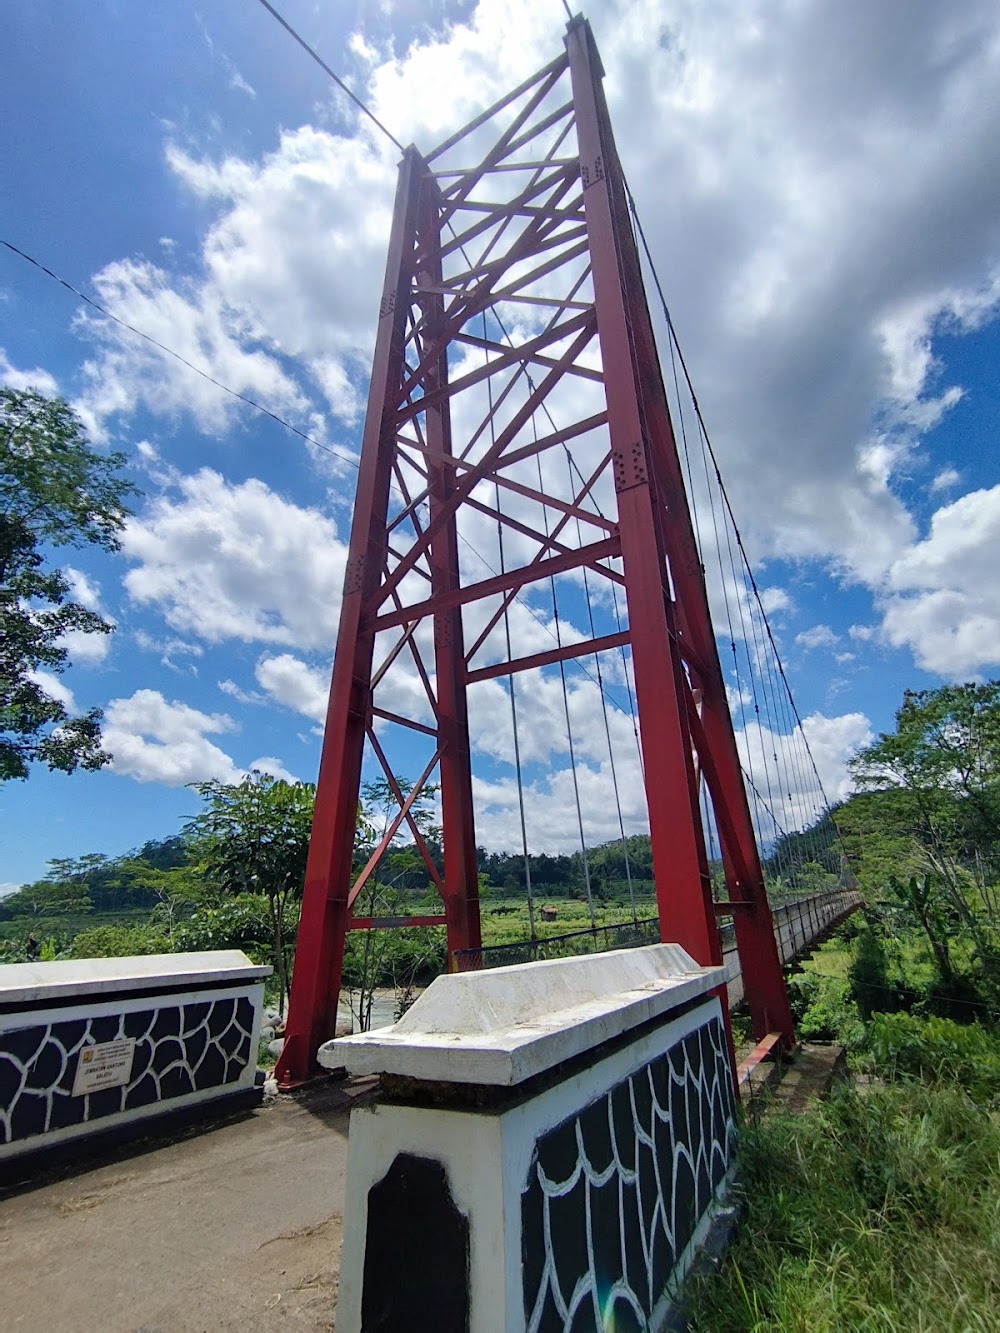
29,983
502,1026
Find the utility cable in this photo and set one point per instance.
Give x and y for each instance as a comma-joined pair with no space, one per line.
169,351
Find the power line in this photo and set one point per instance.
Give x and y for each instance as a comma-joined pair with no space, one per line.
336,78
234,393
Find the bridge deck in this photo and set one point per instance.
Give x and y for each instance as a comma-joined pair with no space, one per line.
237,1226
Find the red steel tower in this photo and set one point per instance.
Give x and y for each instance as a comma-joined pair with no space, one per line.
514,333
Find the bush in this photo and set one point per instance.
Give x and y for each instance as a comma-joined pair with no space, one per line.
823,1008
118,942
936,1050
241,922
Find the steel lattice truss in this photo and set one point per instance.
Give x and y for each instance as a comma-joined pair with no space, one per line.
516,392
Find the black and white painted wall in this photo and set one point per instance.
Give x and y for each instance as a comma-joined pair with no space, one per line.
96,1044
582,1149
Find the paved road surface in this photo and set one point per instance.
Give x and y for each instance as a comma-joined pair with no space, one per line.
237,1226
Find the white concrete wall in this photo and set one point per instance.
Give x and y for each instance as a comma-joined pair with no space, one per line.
96,1045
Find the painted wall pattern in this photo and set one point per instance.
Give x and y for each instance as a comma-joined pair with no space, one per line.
183,1045
614,1193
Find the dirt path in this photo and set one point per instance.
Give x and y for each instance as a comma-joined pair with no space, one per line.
237,1226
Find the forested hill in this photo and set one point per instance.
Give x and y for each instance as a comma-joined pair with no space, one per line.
96,883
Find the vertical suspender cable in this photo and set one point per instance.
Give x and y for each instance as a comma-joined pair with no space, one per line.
510,682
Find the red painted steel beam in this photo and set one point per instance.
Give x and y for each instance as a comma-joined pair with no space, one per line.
312,1009
429,299
394,922
564,654
461,869
679,862
647,462
515,578
765,986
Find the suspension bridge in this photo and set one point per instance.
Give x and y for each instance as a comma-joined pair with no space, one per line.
542,539
550,614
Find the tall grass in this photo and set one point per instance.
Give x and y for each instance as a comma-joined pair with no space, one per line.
878,1210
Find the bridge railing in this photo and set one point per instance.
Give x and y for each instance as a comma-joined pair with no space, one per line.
598,939
797,925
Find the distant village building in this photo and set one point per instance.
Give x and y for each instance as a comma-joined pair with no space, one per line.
549,913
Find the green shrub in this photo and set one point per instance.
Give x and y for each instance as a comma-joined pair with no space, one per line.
823,1008
936,1050
118,942
240,922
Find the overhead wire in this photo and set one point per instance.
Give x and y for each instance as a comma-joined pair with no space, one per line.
722,488
169,351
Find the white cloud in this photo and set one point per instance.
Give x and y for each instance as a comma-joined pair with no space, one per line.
224,561
153,740
790,787
945,480
775,601
84,590
862,633
54,688
943,601
85,649
274,767
12,378
819,636
291,682
169,648
242,696
833,741
812,245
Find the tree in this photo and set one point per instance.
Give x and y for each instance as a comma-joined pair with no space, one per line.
945,755
54,491
926,824
397,955
253,837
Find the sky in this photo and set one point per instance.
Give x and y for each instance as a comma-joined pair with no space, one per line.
821,190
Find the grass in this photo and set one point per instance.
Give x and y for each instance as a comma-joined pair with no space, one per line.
878,1210
505,921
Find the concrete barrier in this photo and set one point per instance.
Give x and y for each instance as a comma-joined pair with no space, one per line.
102,1044
551,1146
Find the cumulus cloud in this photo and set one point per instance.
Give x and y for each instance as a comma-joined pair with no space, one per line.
224,561
273,767
946,479
38,379
154,740
86,649
943,601
55,688
289,681
811,243
819,636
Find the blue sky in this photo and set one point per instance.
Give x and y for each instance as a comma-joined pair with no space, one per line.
822,193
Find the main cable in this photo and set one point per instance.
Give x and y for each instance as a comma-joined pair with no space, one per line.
722,489
336,77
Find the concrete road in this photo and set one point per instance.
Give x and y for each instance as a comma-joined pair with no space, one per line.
234,1226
